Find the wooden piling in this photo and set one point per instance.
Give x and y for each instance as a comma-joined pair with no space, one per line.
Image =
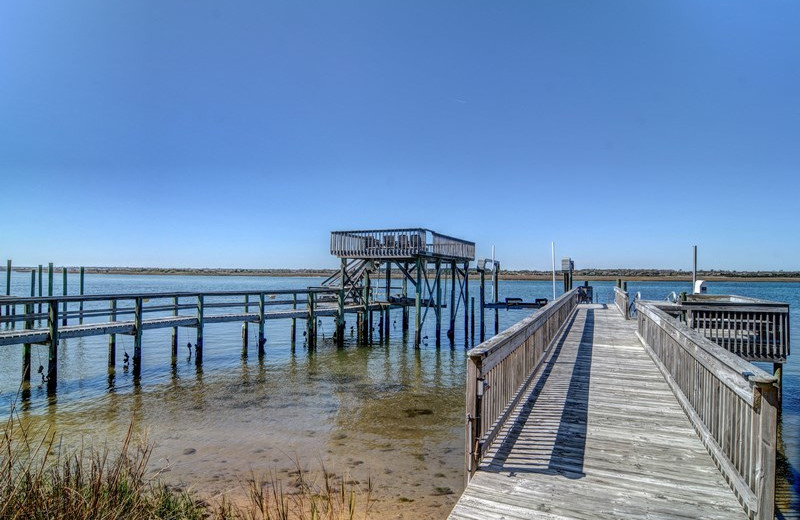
472,319
453,276
437,281
52,356
466,299
137,337
64,292
310,322
369,310
340,305
405,295
198,346
174,345
50,279
418,306
112,338
26,348
245,328
387,318
8,283
496,291
261,338
40,288
483,304
366,322
80,313
294,320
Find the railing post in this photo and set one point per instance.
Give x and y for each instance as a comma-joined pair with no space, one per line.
766,399
473,418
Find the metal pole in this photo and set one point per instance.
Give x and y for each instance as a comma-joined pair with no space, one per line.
694,267
554,270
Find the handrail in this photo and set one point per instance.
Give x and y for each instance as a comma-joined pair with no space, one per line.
399,243
622,301
731,403
500,369
12,300
756,330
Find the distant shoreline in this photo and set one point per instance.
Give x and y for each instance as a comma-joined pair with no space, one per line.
631,275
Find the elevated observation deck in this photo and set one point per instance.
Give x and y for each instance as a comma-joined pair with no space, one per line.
400,244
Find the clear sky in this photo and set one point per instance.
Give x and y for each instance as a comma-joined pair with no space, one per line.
238,134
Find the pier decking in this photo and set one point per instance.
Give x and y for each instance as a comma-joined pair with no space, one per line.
599,434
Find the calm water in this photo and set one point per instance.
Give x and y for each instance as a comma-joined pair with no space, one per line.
386,411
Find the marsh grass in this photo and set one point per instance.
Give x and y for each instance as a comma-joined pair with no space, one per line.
40,480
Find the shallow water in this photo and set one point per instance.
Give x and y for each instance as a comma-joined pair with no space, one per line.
388,412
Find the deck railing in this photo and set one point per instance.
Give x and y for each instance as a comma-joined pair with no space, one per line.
500,369
167,310
730,402
756,330
399,243
621,300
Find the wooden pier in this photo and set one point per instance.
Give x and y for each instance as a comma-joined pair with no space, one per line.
578,412
133,314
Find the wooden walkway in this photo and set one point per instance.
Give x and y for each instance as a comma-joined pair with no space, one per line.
599,435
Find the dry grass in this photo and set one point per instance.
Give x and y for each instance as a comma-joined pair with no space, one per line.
40,481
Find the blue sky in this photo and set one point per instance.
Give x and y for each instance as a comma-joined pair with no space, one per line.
238,134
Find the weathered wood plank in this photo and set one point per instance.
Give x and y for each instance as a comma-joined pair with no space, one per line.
598,435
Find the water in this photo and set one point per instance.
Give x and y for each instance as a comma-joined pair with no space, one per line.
387,412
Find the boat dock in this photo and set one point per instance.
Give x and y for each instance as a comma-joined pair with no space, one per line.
578,412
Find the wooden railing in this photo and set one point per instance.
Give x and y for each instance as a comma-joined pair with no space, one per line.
756,330
444,245
167,310
500,369
730,402
399,243
622,302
